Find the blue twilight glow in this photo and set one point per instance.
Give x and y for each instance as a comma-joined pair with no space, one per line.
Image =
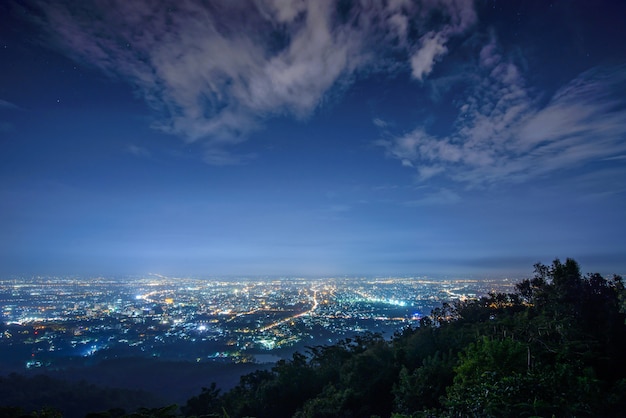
311,137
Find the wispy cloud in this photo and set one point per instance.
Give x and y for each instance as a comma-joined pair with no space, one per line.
436,198
432,45
218,156
138,151
8,105
616,158
379,123
215,71
503,133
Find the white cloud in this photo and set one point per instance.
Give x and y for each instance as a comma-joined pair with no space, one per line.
427,171
432,45
503,134
379,123
214,72
432,48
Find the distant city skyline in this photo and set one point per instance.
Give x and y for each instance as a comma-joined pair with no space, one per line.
311,138
209,320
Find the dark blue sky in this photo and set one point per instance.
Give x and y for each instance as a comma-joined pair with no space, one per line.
311,137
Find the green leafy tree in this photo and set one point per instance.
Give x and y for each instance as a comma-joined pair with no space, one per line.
170,411
208,402
489,379
422,389
328,404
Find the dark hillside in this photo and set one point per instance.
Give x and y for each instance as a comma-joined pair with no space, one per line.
72,399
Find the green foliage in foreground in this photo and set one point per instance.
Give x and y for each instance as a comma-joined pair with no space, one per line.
555,347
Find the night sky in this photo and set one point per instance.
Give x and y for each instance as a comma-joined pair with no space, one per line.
279,137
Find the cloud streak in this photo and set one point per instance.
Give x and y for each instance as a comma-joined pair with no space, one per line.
436,198
8,105
503,134
215,71
432,45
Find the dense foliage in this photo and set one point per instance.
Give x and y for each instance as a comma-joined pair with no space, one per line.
554,347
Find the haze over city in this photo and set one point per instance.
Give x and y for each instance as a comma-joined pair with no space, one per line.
311,138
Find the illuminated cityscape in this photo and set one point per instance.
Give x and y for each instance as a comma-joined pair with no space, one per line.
48,320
